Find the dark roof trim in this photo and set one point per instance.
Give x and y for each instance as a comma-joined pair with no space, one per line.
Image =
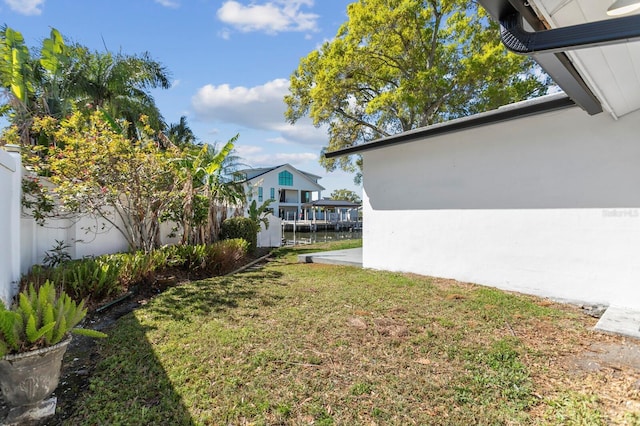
509,112
600,33
557,65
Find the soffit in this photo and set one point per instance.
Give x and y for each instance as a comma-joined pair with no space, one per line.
612,72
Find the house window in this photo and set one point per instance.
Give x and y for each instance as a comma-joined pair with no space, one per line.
285,178
272,193
260,194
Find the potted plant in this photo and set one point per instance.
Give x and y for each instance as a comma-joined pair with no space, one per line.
34,335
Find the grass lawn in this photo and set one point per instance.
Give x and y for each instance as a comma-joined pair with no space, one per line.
318,344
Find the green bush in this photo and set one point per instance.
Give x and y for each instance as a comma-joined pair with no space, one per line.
95,279
224,256
98,279
241,227
216,259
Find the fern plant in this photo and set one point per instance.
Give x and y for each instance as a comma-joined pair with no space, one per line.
40,318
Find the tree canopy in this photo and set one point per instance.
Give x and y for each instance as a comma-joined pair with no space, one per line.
345,194
62,77
396,65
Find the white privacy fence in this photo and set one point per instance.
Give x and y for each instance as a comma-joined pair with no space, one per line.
271,237
25,243
10,187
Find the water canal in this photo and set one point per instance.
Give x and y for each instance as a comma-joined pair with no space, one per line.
295,238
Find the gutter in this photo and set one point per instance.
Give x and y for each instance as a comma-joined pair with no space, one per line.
548,47
600,33
515,111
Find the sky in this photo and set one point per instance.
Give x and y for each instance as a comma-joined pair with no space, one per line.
229,62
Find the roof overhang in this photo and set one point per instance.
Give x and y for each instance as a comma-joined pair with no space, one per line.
572,41
593,59
509,112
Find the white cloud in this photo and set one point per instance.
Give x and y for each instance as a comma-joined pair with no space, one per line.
26,7
168,3
256,157
175,83
259,107
271,17
248,150
224,34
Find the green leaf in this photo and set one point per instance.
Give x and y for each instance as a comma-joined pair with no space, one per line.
3,349
88,332
31,330
59,331
25,305
52,49
48,318
45,329
7,326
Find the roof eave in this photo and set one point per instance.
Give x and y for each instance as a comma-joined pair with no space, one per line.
509,112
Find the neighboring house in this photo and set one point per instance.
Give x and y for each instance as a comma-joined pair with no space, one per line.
288,187
541,196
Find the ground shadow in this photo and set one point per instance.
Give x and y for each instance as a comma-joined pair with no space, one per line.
81,383
143,385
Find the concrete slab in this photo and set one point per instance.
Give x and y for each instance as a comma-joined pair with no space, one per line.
622,321
349,257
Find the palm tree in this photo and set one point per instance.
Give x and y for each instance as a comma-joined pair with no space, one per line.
180,134
208,190
67,76
215,171
120,84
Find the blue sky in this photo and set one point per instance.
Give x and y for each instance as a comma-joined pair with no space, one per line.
230,63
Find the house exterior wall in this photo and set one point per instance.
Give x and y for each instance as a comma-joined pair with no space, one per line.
547,205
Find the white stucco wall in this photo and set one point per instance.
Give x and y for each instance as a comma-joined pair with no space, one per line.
10,187
86,236
547,205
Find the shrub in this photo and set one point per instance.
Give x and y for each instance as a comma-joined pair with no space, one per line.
218,258
225,255
106,276
95,279
57,255
241,227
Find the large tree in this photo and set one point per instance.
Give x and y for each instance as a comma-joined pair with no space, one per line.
180,134
97,171
396,65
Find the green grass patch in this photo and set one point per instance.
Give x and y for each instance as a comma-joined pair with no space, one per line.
318,344
575,409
